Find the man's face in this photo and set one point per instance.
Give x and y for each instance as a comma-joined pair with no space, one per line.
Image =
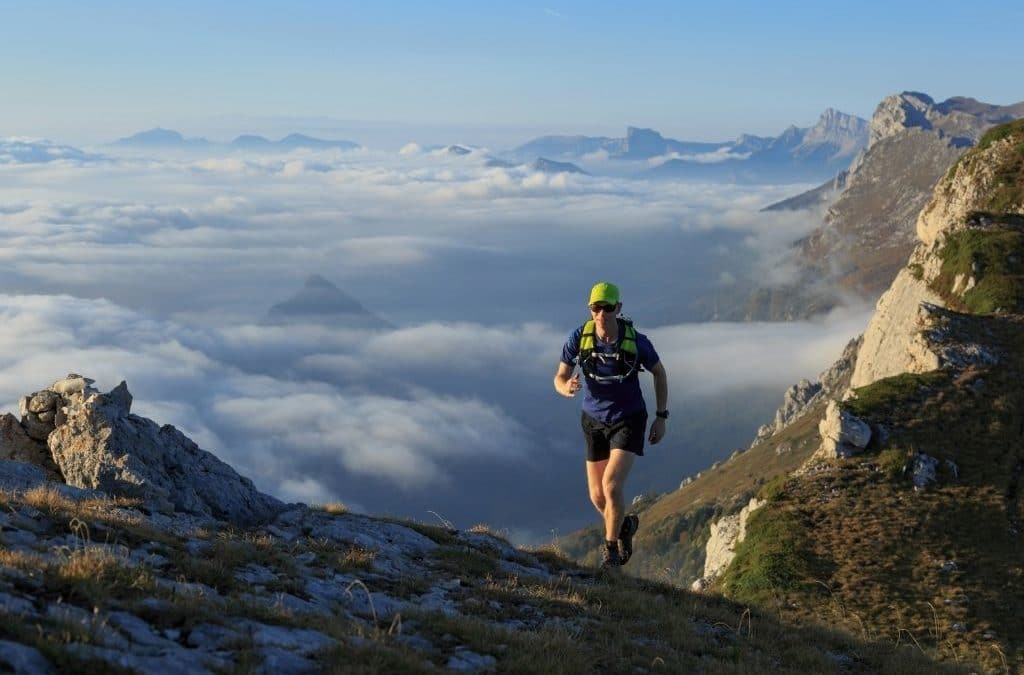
604,314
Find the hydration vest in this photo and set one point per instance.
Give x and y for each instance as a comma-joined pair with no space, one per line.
625,356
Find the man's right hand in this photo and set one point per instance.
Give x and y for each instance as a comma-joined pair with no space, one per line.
573,386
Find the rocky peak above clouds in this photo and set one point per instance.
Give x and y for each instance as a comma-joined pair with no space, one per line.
319,301
846,133
962,118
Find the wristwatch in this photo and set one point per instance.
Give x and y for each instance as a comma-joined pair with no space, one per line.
663,414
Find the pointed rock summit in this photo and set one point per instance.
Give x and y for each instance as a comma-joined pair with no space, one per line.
320,301
550,166
92,441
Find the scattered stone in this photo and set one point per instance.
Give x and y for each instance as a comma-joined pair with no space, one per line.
298,640
949,566
16,605
17,476
466,661
923,470
138,631
255,575
278,661
958,628
23,660
210,637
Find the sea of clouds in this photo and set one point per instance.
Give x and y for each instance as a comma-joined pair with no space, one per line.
159,269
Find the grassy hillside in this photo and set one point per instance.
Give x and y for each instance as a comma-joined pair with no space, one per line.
149,599
853,543
675,528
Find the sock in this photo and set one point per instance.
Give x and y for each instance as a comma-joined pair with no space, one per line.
612,544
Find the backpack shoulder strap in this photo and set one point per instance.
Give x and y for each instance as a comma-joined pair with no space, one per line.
587,338
628,342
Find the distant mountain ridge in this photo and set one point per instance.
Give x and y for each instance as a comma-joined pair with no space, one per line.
38,151
168,138
814,153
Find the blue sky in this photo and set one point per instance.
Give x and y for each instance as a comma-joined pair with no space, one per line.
692,70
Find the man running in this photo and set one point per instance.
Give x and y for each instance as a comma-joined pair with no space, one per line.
611,353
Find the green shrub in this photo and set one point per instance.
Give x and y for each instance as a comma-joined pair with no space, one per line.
916,270
893,462
890,392
774,557
998,133
773,490
998,255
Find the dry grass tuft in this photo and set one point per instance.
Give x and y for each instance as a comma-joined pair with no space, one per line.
334,508
94,574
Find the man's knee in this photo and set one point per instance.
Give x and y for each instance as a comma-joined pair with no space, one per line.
612,489
598,499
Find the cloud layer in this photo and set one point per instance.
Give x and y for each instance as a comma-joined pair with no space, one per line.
158,270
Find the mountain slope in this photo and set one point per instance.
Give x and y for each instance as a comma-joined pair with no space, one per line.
868,232
128,580
919,533
894,514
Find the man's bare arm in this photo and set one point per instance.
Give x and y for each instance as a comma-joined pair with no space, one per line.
661,398
660,386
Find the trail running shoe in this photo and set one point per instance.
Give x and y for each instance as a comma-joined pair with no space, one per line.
630,524
610,557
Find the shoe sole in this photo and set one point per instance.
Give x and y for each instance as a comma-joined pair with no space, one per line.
629,527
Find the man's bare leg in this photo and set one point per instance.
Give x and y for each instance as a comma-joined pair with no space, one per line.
613,484
595,484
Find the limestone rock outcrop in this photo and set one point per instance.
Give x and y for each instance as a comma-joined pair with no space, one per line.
90,440
726,534
17,445
102,446
842,433
804,395
895,341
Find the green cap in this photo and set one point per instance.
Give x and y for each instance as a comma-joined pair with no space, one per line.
604,292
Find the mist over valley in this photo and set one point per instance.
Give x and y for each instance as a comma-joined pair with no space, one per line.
162,267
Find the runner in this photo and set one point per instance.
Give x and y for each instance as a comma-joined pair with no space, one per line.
611,354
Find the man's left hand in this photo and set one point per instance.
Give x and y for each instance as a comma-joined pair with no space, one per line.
657,431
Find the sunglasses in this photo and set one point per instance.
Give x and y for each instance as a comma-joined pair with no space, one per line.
599,307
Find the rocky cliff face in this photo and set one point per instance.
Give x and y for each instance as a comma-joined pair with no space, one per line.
896,340
868,232
89,440
919,464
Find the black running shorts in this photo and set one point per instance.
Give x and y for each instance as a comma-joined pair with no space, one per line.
626,434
